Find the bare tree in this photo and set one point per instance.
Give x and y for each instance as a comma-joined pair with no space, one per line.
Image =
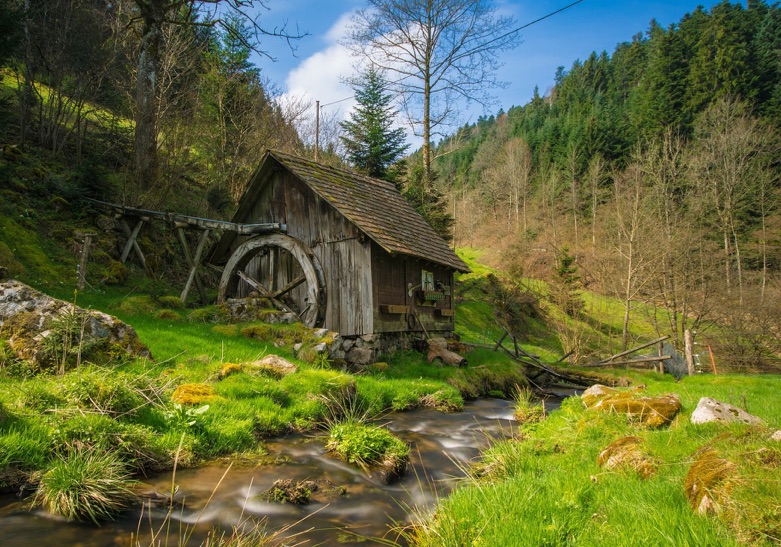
730,146
436,52
510,176
594,176
634,235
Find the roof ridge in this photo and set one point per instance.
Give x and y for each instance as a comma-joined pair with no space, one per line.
366,178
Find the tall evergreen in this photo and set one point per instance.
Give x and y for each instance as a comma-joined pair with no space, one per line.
372,144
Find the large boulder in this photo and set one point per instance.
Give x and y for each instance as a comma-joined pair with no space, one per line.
651,411
710,410
41,329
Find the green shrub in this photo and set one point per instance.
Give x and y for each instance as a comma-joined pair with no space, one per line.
24,447
225,436
138,305
43,396
86,485
171,302
167,315
210,314
527,408
95,431
115,273
105,391
13,267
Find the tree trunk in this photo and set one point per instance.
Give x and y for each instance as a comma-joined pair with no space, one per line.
146,158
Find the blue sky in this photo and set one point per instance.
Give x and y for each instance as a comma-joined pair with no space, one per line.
315,69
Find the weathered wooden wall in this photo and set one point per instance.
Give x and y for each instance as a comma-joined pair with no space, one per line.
343,251
394,308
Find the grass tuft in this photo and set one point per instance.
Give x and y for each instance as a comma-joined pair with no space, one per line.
86,485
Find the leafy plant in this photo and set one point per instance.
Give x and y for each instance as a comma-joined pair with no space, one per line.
183,416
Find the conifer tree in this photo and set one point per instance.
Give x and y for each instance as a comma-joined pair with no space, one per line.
372,144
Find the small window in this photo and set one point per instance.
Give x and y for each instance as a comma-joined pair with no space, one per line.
427,280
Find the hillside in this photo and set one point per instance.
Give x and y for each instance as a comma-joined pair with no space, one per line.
655,167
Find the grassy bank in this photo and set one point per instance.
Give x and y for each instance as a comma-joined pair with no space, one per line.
200,398
545,488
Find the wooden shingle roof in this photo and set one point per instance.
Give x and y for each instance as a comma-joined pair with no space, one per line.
374,206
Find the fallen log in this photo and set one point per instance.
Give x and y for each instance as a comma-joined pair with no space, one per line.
437,349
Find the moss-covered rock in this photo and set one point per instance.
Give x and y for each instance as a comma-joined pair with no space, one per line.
651,411
45,331
272,365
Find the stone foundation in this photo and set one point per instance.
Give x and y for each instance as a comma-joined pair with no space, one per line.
367,348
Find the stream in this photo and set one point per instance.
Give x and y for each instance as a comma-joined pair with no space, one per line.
362,511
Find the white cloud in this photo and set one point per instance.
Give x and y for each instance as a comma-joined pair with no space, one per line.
320,77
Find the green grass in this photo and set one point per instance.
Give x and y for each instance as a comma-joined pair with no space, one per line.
365,444
86,485
547,483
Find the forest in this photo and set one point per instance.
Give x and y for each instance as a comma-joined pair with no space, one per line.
652,169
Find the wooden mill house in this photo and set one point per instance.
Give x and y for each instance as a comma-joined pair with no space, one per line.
351,255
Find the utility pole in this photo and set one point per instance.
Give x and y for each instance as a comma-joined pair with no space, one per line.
317,128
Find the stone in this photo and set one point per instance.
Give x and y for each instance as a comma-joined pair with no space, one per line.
359,356
347,344
596,393
297,347
337,354
710,410
358,342
368,337
320,348
276,365
320,333
651,411
28,318
776,436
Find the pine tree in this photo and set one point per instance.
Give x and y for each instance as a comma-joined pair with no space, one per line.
372,144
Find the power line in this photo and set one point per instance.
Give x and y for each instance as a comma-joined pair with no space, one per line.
339,101
527,25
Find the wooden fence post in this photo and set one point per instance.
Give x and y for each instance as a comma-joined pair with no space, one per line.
82,273
687,337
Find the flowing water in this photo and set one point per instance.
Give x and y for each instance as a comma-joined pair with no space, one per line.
364,510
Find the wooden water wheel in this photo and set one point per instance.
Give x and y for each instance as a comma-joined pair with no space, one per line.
280,268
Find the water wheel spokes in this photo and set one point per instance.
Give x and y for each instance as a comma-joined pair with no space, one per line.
284,262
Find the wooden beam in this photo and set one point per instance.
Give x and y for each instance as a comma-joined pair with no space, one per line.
638,348
193,262
185,220
289,287
394,309
654,359
132,243
263,292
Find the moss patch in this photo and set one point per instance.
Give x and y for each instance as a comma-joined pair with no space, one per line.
627,453
708,481
193,394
